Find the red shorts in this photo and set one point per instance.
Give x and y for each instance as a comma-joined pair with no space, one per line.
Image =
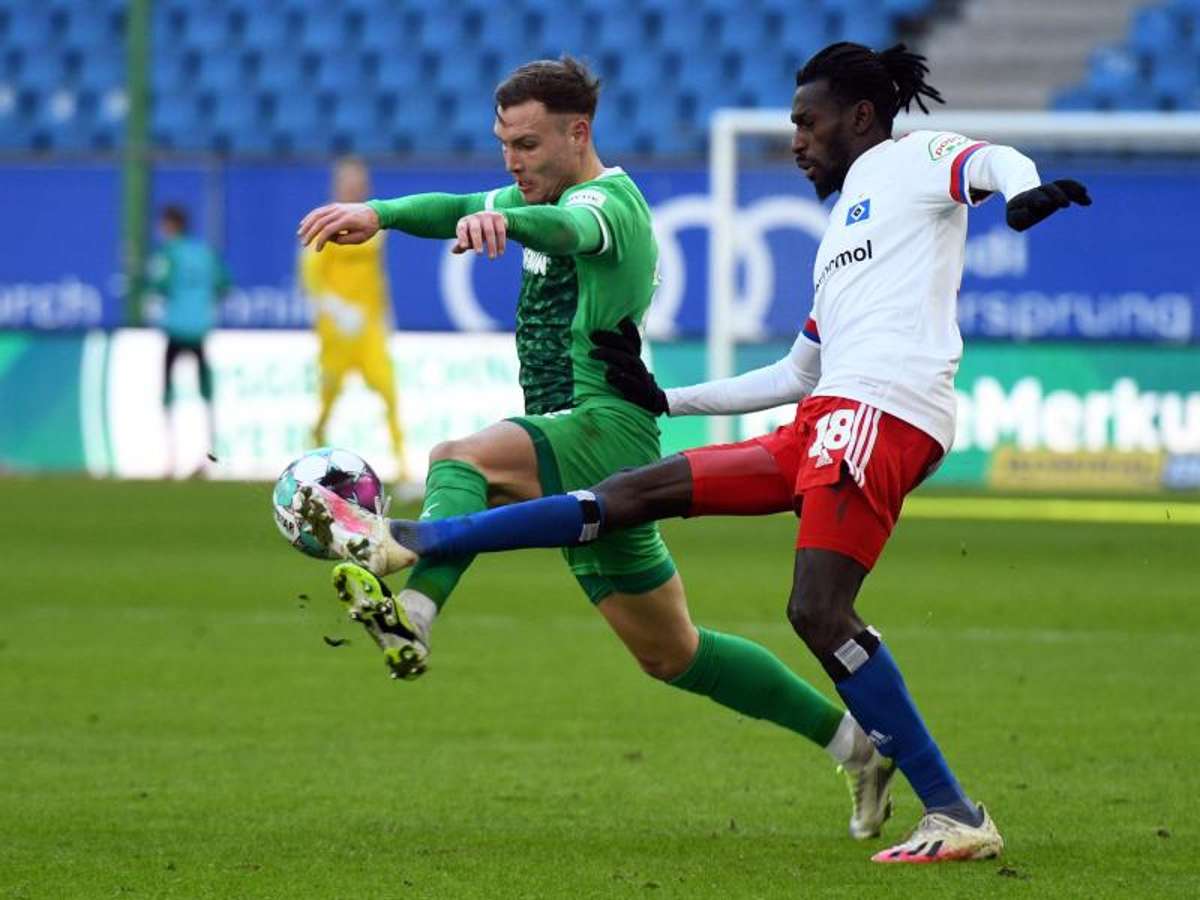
842,466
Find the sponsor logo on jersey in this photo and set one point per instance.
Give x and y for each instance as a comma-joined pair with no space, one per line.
845,258
535,262
587,196
942,145
859,212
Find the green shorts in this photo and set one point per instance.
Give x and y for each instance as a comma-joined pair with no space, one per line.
578,448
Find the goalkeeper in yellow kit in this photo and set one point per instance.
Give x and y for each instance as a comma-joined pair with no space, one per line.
348,286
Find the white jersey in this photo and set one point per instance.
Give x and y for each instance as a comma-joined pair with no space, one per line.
884,329
888,270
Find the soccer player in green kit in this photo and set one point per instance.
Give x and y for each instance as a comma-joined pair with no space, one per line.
589,260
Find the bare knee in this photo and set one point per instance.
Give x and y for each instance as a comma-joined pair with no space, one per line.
819,623
446,450
659,490
664,663
467,451
821,606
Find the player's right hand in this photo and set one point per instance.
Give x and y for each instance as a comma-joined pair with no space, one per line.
342,223
621,352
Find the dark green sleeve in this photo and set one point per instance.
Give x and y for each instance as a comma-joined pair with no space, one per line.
436,215
556,230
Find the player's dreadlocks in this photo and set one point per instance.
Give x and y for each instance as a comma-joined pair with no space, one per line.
891,80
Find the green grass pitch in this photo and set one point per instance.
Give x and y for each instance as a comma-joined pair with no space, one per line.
172,723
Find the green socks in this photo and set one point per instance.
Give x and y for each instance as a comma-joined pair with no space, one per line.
452,488
749,678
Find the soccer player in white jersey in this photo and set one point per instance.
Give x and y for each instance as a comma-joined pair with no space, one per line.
873,372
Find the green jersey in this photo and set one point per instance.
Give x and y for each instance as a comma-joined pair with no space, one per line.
564,298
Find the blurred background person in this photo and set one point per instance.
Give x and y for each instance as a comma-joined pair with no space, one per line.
348,285
191,278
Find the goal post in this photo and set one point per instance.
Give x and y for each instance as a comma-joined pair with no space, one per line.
1134,133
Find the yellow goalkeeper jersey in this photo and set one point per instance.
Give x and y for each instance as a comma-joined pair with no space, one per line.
348,284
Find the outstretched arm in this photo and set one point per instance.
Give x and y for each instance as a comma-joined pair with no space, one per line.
997,168
433,215
787,381
556,230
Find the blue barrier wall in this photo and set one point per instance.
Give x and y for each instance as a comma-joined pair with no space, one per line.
1122,270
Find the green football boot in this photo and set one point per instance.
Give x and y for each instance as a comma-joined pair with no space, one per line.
369,602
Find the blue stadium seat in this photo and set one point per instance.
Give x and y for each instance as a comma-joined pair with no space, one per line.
356,112
804,35
294,111
237,110
443,34
86,28
264,30
42,70
462,75
766,74
401,71
416,110
1156,30
323,27
686,33
699,73
334,73
1175,78
28,27
501,29
620,33
207,32
1075,99
861,21
1113,70
172,119
906,8
221,73
101,69
562,30
639,70
745,35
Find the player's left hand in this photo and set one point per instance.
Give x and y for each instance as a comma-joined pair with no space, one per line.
1029,207
621,353
481,231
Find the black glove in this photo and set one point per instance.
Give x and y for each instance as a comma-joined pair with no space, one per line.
1029,207
621,352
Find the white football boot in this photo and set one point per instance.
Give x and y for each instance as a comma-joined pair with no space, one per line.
405,644
939,838
350,531
869,776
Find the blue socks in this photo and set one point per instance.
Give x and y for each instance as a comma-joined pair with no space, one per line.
869,682
563,520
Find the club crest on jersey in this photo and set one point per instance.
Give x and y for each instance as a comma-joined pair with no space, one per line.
859,212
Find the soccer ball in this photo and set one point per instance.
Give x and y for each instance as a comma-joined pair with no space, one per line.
346,474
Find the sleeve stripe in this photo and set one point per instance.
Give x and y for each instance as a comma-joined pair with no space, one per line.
489,202
810,330
958,171
603,228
